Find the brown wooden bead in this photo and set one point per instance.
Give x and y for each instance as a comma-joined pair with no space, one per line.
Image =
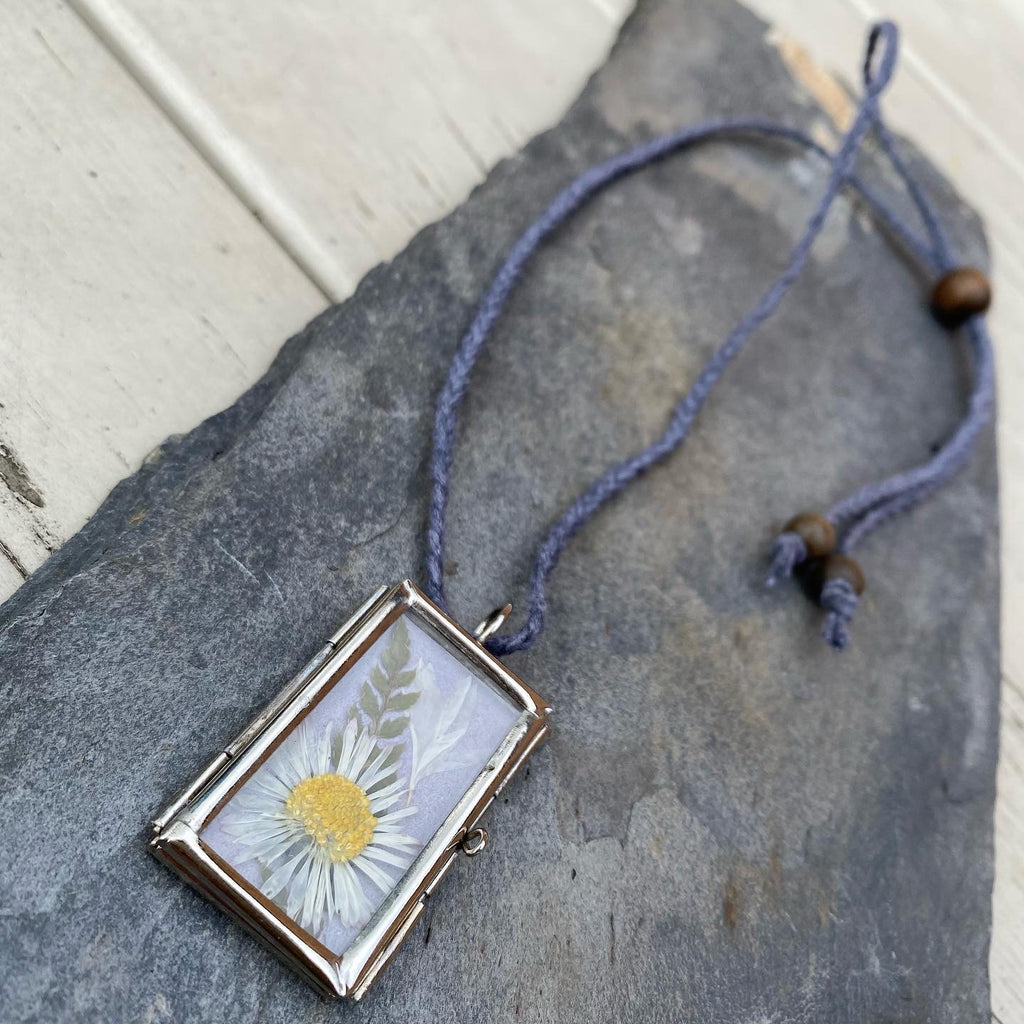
817,533
843,567
959,295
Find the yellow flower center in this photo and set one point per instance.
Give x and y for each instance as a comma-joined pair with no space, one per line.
335,812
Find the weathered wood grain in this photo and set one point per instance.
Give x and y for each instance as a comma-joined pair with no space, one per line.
167,226
139,295
371,119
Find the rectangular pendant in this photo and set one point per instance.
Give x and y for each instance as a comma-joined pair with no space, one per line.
325,825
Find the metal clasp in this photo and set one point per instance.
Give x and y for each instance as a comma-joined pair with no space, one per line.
474,841
492,623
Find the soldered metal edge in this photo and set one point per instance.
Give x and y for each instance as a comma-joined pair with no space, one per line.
178,844
181,849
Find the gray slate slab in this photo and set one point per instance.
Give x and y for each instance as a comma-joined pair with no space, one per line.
731,823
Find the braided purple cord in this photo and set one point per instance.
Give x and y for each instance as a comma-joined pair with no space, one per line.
496,297
876,505
869,508
565,204
957,450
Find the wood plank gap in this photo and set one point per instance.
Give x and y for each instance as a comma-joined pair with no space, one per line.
1012,684
169,88
14,560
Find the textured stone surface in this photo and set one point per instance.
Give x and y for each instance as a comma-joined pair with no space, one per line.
731,823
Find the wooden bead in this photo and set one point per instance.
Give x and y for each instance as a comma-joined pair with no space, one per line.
959,295
817,533
842,567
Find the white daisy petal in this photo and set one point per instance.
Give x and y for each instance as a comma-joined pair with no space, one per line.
346,900
327,857
330,890
271,851
294,753
339,891
307,751
386,856
323,753
386,817
314,908
244,829
375,772
386,790
279,776
361,754
286,768
267,787
396,840
388,805
381,778
253,798
281,878
348,739
357,906
258,836
299,885
250,818
357,758
375,874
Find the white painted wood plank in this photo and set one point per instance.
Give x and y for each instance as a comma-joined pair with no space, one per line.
224,150
373,119
137,294
971,53
161,294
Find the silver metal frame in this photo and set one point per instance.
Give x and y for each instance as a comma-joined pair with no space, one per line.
179,826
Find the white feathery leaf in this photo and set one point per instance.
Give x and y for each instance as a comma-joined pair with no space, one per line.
437,724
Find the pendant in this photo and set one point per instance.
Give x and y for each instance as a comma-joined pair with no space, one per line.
326,824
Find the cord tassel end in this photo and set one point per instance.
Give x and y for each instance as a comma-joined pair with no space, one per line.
839,599
788,551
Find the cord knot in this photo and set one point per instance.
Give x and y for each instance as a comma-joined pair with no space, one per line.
839,599
807,535
788,551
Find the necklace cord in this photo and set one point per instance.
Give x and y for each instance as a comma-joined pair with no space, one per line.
855,516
